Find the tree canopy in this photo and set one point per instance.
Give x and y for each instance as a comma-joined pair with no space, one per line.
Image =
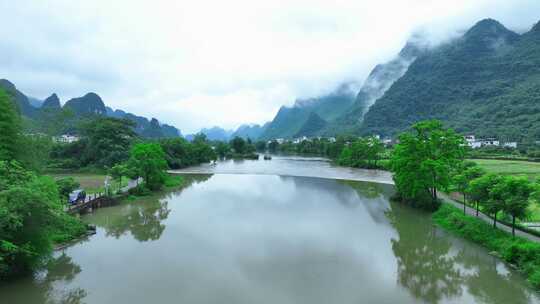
423,160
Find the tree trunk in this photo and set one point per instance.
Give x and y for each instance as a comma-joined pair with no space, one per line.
477,207
464,204
495,220
513,226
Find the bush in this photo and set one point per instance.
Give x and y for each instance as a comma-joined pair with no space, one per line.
520,252
173,181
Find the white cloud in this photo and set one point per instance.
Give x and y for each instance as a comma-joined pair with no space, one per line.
203,63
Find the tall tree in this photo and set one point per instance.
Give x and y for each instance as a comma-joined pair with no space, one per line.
462,180
106,141
9,127
480,192
147,160
423,160
513,193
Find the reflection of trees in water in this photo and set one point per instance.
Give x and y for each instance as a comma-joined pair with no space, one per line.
486,284
430,272
45,287
143,221
144,218
424,266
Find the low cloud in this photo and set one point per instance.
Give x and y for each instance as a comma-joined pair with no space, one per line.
204,63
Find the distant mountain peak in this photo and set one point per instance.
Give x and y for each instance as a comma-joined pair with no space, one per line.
8,85
52,102
489,29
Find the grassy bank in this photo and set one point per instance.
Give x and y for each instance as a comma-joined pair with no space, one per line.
523,254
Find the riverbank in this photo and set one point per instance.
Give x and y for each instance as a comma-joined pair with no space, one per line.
520,252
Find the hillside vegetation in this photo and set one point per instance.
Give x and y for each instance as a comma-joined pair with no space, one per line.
486,82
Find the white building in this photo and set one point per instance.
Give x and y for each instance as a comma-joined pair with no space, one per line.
511,144
299,140
475,143
65,138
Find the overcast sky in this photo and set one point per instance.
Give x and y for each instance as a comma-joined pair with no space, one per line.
202,63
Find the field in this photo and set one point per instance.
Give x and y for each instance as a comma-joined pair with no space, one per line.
510,167
91,182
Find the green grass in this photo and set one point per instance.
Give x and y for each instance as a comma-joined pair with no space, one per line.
90,182
510,167
173,181
520,252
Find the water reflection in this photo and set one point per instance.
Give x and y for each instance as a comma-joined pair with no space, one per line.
267,239
61,271
435,267
424,265
144,219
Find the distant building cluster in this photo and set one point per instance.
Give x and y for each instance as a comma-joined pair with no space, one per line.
476,143
301,139
65,139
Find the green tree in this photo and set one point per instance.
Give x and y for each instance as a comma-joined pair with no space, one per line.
273,146
363,152
462,180
147,160
31,218
423,160
479,189
239,145
117,172
9,127
222,149
513,193
106,141
66,186
260,145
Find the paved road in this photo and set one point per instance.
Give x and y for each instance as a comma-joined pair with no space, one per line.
501,226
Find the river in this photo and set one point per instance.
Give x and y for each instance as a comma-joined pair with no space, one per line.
265,238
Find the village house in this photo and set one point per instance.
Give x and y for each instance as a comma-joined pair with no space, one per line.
65,138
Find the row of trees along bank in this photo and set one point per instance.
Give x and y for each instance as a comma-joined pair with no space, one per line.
430,158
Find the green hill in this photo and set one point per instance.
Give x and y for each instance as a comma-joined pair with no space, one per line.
312,126
290,121
486,82
51,118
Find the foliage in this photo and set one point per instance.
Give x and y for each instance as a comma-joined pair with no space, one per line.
34,151
180,153
462,178
239,145
172,181
117,172
104,142
513,194
362,153
223,149
31,217
9,127
520,252
470,85
423,160
147,160
66,186
260,146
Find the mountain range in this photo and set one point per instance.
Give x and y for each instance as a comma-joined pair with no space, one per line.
485,82
49,116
